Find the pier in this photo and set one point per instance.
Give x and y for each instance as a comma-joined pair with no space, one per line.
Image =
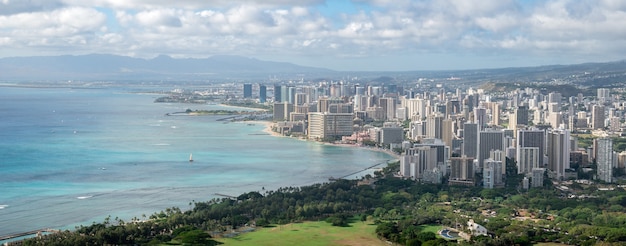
28,233
348,175
227,196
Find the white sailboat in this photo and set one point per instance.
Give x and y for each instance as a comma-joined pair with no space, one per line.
191,157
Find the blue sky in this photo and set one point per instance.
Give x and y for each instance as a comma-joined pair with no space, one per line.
365,35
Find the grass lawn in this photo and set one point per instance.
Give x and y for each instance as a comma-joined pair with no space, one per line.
431,228
309,233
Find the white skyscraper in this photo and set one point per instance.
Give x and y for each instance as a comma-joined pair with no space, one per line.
604,95
558,152
492,173
604,159
529,138
480,117
527,159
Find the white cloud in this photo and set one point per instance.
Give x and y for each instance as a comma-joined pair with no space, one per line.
11,7
159,18
188,4
67,20
290,28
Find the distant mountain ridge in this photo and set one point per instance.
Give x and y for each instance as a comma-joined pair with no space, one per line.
105,67
102,66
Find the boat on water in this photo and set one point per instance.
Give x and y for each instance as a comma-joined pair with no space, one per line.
191,157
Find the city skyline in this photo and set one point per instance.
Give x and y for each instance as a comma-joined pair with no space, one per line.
363,35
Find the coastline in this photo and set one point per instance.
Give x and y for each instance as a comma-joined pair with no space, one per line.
241,107
125,180
269,125
267,128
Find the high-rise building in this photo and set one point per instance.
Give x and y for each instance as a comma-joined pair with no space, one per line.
555,119
301,99
415,161
492,173
324,125
604,95
262,93
614,124
489,141
391,135
434,124
537,177
480,117
291,94
558,152
527,159
324,103
389,107
442,151
340,108
447,131
415,106
247,90
521,115
530,138
470,140
495,114
604,159
277,93
554,97
282,111
461,170
597,116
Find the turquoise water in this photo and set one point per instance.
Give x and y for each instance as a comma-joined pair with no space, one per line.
75,156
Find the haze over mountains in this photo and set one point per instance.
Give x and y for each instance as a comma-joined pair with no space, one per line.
112,67
100,66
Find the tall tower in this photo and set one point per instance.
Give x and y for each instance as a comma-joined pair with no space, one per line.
470,140
480,117
419,160
604,159
262,94
604,95
492,173
527,159
489,141
558,152
461,169
278,93
447,131
434,124
247,90
597,117
521,115
530,138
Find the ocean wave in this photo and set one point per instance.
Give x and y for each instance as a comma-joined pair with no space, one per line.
160,144
3,206
83,197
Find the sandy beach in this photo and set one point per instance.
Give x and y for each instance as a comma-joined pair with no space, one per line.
268,130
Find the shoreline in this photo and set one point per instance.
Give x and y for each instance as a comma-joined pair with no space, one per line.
269,125
267,128
241,107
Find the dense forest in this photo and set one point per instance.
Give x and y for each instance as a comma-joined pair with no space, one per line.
399,207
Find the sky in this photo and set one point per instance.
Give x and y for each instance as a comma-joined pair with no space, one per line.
344,35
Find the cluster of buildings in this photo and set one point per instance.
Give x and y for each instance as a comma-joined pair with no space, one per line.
460,136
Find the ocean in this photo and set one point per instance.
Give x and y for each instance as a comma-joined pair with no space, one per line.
72,156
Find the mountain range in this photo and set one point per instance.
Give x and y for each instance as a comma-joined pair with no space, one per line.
104,67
